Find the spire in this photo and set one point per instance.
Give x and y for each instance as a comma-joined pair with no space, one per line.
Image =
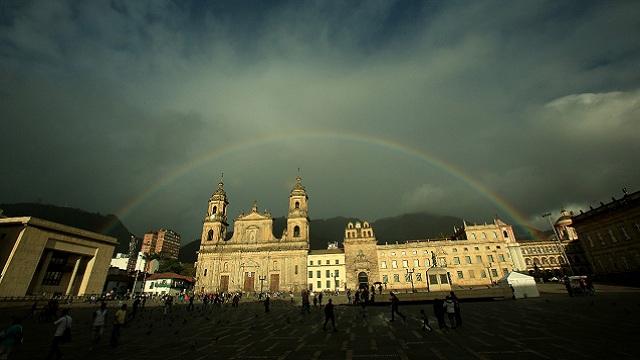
254,208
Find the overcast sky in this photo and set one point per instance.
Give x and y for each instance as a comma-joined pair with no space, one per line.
135,108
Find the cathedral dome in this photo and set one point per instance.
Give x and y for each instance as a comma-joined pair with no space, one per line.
298,189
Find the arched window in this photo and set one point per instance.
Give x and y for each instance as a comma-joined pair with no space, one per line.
505,233
297,205
560,260
536,261
544,260
528,261
296,231
215,210
552,260
210,235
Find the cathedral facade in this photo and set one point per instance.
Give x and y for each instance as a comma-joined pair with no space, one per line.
253,259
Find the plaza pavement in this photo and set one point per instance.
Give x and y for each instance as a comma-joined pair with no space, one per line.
554,326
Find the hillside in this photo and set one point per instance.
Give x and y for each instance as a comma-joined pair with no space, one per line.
103,224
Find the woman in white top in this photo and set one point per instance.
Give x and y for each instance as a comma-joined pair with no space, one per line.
62,334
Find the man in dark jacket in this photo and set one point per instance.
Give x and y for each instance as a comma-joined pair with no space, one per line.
329,315
438,311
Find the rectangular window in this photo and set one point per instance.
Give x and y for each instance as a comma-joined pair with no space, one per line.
407,277
383,265
205,272
444,279
490,257
460,275
500,257
442,261
385,279
336,273
327,262
483,274
52,278
319,284
396,278
479,259
505,271
328,272
310,274
476,248
494,273
337,261
328,284
318,274
456,261
310,262
337,283
472,274
433,279
418,276
405,263
394,264
467,259
416,263
310,286
296,269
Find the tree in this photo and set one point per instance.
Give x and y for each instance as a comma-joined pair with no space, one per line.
171,265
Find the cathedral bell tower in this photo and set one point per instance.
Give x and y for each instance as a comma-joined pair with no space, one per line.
214,228
298,217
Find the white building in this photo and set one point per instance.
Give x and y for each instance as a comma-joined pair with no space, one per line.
168,283
121,260
326,269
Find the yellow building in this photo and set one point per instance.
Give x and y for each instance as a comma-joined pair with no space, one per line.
253,259
475,255
40,256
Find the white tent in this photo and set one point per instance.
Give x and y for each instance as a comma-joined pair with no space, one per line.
524,286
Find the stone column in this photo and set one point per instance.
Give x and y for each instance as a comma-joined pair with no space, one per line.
73,276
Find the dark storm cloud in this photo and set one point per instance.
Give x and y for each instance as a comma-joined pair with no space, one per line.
536,101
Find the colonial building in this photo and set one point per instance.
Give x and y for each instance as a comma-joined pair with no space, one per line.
253,258
550,257
40,256
610,236
474,255
326,269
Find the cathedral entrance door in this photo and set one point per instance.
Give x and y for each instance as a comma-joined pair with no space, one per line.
224,283
363,280
249,279
274,282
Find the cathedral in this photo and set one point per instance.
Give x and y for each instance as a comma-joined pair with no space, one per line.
253,259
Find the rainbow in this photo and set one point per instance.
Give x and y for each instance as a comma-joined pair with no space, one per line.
389,144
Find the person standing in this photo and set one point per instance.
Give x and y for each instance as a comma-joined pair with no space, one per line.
329,315
135,306
438,311
61,335
315,300
118,322
191,299
99,320
305,302
456,303
395,302
320,298
11,337
267,303
450,309
349,296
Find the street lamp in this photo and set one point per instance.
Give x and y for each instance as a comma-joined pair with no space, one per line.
262,279
410,274
548,216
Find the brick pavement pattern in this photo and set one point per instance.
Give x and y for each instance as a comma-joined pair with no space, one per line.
551,327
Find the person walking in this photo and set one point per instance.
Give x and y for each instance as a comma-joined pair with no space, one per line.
395,302
61,335
320,298
438,311
349,296
99,320
315,300
134,308
191,299
305,302
456,303
450,309
425,321
118,322
329,315
10,337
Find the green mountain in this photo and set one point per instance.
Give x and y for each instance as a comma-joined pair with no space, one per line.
103,224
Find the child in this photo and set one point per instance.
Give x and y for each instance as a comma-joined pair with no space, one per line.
425,321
